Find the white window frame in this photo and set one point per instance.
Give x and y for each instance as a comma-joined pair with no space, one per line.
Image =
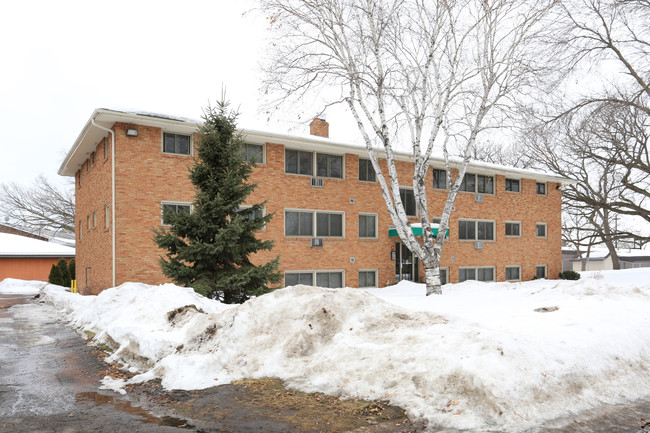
512,266
373,170
314,223
505,184
376,272
476,221
162,143
444,171
107,214
545,188
94,219
178,203
545,230
81,229
314,272
512,222
476,268
263,162
88,222
447,270
545,270
106,153
314,163
376,236
494,183
248,206
415,200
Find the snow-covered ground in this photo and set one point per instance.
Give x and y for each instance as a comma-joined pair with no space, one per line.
502,356
11,286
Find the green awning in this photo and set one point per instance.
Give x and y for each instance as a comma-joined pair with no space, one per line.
417,231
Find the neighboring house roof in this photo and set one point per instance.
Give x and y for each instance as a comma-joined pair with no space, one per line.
4,228
629,255
91,136
14,246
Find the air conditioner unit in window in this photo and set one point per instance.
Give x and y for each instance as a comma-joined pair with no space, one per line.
317,182
478,245
316,242
478,197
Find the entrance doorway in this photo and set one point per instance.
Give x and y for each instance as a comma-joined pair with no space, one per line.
406,264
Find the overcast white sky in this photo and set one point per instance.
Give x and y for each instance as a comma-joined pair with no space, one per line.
61,60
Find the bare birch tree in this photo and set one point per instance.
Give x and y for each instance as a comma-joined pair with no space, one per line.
38,208
421,74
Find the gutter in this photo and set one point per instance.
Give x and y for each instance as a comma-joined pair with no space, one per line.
112,191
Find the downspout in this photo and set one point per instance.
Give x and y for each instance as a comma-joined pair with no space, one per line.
112,190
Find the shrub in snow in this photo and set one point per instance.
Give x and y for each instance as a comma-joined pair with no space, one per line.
569,275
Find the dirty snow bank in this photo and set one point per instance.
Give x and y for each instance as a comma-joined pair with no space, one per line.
478,357
12,286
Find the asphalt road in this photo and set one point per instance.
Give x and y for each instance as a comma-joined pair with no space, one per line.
49,383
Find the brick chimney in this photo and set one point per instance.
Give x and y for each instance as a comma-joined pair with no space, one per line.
319,127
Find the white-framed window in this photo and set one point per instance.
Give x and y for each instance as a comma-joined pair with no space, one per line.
477,183
106,148
513,273
81,227
79,178
314,223
541,188
540,230
483,273
513,229
258,213
88,222
178,144
330,279
540,271
444,276
439,178
368,225
513,185
303,162
476,230
368,278
94,219
173,206
88,165
366,171
107,216
253,153
408,200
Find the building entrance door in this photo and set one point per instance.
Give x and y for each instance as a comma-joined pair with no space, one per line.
406,264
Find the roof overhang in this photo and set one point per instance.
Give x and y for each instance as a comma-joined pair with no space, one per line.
91,136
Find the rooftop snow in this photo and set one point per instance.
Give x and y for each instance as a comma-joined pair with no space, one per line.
21,246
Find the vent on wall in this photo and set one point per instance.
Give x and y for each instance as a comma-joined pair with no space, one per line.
478,197
478,245
316,242
317,182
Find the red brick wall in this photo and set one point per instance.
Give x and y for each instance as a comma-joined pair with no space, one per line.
146,176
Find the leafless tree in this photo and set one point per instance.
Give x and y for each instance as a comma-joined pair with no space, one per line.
414,74
41,207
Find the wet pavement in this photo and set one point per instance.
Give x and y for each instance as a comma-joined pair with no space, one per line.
49,381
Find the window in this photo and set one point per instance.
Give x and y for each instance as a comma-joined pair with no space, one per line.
106,148
540,271
176,143
541,188
298,162
473,230
367,278
80,229
513,273
88,222
92,158
329,165
512,185
327,279
541,230
408,199
367,225
332,280
94,219
513,229
175,208
79,178
294,278
329,224
107,216
298,223
366,171
477,183
478,274
258,213
87,165
253,153
439,179
444,278
301,223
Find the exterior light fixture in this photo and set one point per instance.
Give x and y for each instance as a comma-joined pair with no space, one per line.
131,132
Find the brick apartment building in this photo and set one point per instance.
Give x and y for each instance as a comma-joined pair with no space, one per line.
330,226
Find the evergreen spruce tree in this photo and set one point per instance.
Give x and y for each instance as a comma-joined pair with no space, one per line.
55,275
72,269
64,272
209,249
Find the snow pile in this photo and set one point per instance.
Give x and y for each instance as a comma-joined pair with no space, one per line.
504,356
12,286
